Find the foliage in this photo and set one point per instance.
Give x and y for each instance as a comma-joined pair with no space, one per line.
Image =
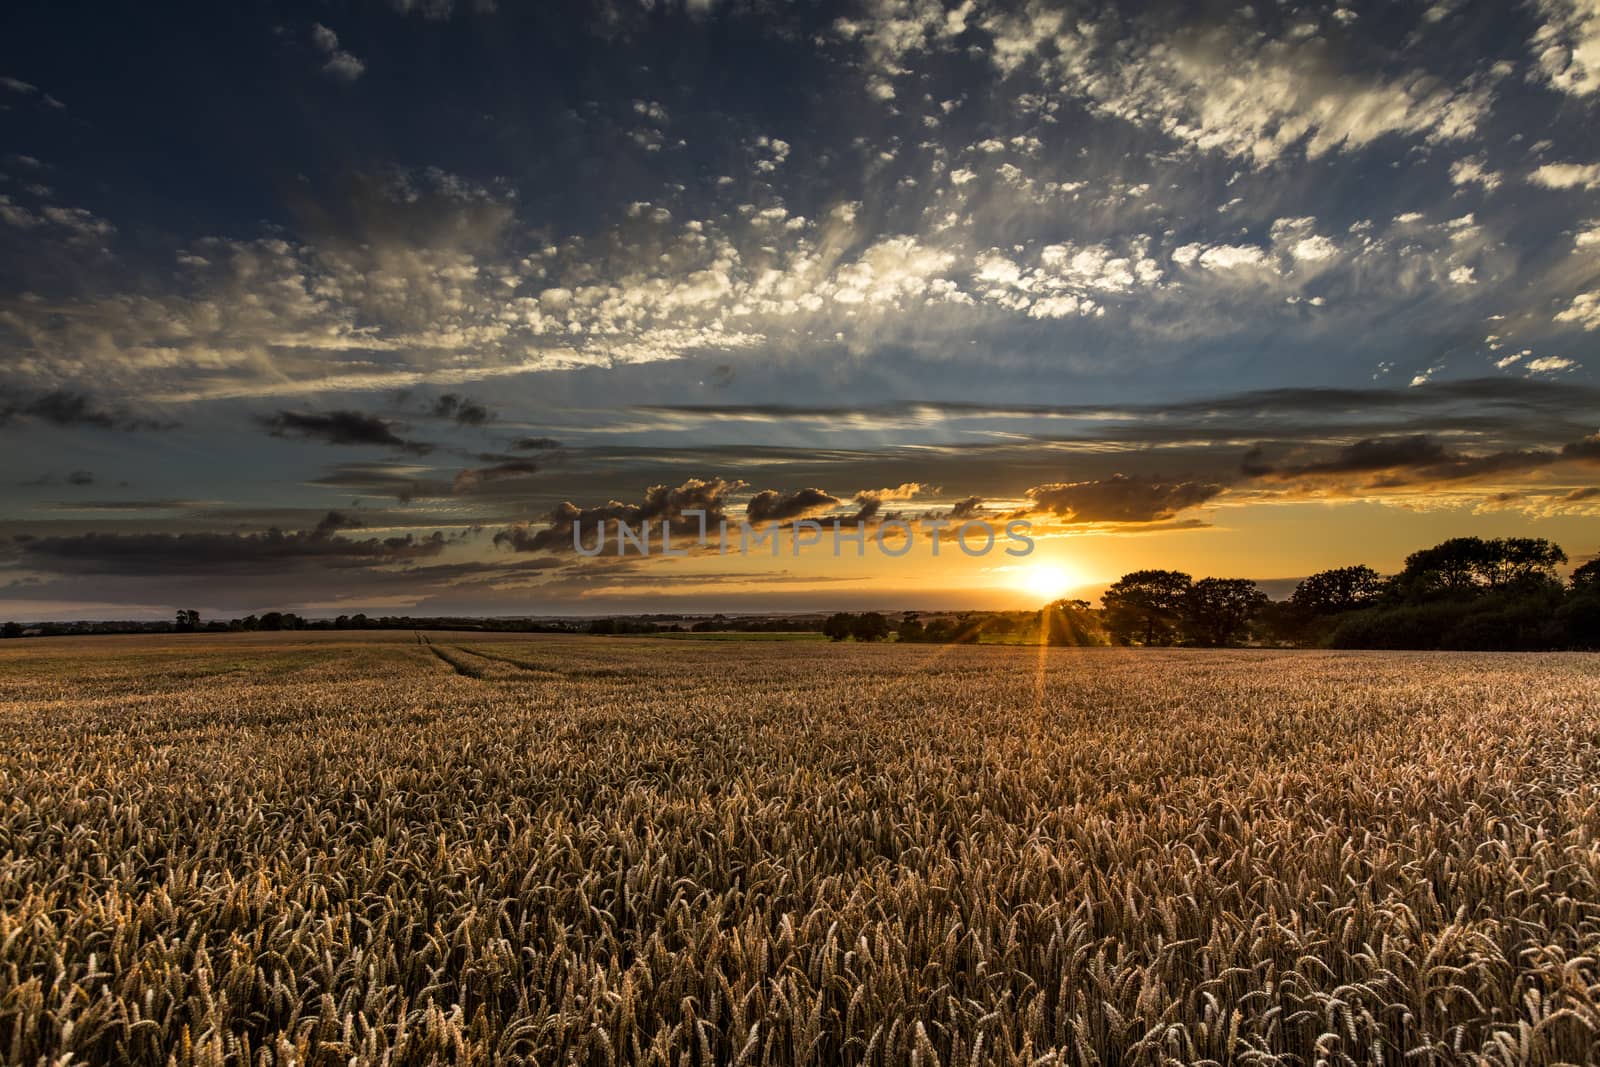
1147,606
838,626
1217,611
1071,622
1465,593
869,626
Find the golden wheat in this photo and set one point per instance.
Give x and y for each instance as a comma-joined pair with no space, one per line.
385,849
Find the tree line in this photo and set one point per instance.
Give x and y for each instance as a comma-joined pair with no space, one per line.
1467,593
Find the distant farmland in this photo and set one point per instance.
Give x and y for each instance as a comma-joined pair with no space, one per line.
456,848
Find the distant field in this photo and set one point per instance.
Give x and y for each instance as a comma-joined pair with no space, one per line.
736,635
458,848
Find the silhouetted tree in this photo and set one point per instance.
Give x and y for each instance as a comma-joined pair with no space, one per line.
910,628
1467,566
1218,610
1070,622
839,626
1340,589
1519,560
869,626
1586,579
1146,605
187,622
11,629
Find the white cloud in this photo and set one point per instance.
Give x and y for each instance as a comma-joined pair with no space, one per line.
1567,44
1567,176
1584,311
1254,98
340,64
1549,365
1472,172
890,30
893,268
1220,257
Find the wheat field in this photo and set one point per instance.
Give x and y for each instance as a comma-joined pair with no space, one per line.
443,848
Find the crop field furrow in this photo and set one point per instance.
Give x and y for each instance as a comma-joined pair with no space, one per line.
380,849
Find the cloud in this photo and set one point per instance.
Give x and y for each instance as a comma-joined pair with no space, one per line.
660,503
339,63
1413,461
966,508
64,407
339,428
474,477
461,409
1121,499
1584,311
1473,172
403,482
1567,45
770,505
1567,176
223,554
535,444
1235,89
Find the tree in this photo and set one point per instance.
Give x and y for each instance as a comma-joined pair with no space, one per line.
838,626
1340,589
11,629
910,628
187,622
1470,565
1520,560
1147,605
1454,566
1586,579
1218,610
1069,622
870,626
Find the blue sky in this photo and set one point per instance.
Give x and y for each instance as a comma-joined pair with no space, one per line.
1143,272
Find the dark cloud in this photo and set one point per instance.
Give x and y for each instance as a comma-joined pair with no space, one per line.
966,509
1526,394
473,477
1525,409
460,409
1373,454
535,444
341,427
80,478
1121,499
661,503
1417,460
63,407
770,505
381,479
1586,449
223,554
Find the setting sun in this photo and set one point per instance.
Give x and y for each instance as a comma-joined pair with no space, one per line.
1046,581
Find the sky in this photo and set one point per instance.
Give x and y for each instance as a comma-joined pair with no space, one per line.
363,306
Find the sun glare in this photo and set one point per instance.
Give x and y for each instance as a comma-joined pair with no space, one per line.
1045,581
